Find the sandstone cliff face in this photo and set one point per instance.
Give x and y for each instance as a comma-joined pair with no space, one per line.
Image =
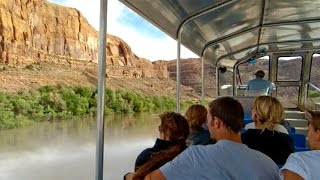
191,75
34,31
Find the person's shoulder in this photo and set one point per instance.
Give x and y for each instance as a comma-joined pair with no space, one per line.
251,132
196,148
249,126
306,155
202,137
201,132
281,129
193,153
147,151
262,81
306,159
261,157
281,136
200,150
252,80
254,136
144,156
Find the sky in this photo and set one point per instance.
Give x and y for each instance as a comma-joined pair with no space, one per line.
145,40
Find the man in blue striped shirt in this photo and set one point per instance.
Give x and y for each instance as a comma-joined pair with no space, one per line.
259,83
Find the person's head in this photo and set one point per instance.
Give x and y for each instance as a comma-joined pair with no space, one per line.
314,129
174,127
259,74
196,116
225,117
266,112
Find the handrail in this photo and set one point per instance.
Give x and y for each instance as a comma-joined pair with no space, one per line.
314,86
306,90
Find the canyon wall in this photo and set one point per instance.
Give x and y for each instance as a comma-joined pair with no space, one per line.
34,31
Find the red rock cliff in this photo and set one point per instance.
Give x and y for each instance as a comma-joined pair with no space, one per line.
35,30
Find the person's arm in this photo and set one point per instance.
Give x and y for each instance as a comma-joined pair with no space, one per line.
294,168
289,175
181,167
155,175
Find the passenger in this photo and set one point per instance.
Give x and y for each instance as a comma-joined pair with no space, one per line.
267,111
227,159
174,131
196,116
305,165
259,84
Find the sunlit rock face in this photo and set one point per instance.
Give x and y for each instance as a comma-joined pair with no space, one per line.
33,31
191,74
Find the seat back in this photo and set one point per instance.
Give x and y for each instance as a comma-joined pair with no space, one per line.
298,139
255,93
292,130
247,121
246,103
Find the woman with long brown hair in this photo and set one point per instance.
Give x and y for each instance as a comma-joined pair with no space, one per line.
174,130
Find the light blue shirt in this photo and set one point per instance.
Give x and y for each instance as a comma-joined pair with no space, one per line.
258,84
306,164
225,160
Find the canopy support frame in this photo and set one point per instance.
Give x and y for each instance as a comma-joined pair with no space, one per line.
101,89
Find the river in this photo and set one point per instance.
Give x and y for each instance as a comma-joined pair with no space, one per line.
66,149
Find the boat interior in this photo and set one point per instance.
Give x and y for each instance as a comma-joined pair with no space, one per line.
282,37
237,34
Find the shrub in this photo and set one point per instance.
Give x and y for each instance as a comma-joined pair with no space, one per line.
57,102
313,93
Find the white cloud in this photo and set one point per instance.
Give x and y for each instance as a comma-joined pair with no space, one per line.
143,46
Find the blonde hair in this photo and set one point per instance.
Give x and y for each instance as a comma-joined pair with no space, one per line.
269,111
196,116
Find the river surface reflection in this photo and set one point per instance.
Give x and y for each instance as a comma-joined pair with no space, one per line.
66,150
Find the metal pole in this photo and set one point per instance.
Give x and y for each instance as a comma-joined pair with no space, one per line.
234,87
178,73
234,80
217,81
101,89
305,101
202,80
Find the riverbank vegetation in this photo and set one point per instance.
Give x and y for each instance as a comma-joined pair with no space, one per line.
57,102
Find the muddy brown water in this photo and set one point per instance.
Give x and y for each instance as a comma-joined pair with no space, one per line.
66,150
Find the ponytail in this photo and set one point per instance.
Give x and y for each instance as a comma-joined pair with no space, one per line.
269,124
159,159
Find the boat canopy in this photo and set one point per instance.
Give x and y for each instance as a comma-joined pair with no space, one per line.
235,29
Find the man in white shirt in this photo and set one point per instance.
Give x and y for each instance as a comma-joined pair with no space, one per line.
305,165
